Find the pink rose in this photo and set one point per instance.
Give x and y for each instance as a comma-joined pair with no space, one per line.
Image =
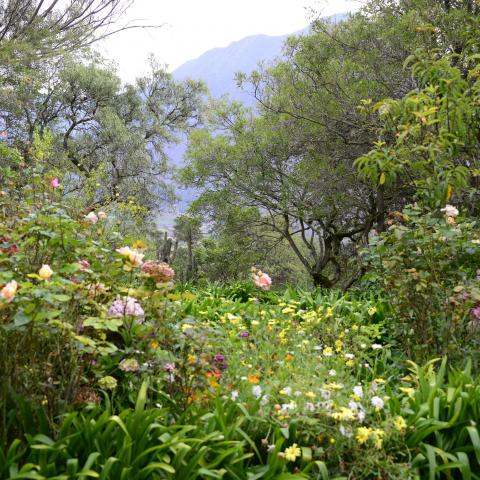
262,280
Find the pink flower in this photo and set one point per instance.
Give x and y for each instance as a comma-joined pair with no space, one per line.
126,306
55,183
84,265
261,280
91,217
159,271
9,291
475,313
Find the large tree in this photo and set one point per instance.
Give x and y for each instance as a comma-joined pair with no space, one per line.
109,138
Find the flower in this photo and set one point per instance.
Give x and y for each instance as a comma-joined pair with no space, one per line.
55,183
234,395
358,391
129,365
286,391
372,311
450,211
345,414
400,424
376,346
257,391
9,291
169,367
160,271
363,434
102,215
108,382
291,453
133,257
378,437
126,306
328,351
45,272
261,280
91,217
377,402
84,265
475,312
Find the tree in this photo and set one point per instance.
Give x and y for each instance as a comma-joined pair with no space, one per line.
294,162
32,30
109,138
188,230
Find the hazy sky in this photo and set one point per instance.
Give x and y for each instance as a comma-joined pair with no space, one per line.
191,27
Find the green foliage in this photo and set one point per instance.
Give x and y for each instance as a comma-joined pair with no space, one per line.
443,418
428,141
428,269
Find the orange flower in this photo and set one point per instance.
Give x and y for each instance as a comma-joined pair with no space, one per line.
253,379
154,344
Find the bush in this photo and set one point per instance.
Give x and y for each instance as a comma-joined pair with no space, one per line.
428,267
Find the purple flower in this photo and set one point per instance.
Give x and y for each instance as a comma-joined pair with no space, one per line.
169,367
475,312
219,361
244,334
126,306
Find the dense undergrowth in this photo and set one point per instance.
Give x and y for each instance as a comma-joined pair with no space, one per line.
109,370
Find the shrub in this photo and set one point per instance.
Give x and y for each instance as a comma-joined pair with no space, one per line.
428,268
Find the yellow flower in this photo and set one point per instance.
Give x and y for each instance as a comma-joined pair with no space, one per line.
345,414
400,424
137,244
372,311
378,437
291,453
408,390
310,394
328,351
363,434
45,272
332,386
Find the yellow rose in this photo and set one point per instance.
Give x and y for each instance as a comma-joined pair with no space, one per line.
45,272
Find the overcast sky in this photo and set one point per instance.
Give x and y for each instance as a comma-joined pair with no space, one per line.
191,27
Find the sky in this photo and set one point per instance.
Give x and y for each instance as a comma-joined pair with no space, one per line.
191,27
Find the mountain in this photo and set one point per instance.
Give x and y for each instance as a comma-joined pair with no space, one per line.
217,68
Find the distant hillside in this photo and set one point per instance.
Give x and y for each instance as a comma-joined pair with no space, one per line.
217,68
